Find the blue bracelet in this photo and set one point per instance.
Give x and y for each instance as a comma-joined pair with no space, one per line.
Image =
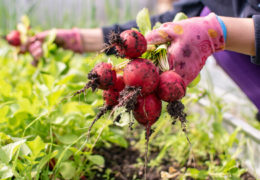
223,27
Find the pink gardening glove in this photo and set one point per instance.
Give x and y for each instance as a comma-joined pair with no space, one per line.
67,39
192,41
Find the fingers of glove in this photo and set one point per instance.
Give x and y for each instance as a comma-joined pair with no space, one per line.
36,49
167,32
41,36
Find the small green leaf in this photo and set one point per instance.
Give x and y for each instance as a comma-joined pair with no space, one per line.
199,174
48,80
143,21
54,97
157,25
135,29
18,119
97,160
4,138
67,138
45,160
5,88
68,169
72,107
25,106
3,112
233,137
3,156
195,81
36,146
26,21
25,88
229,165
51,36
180,16
117,139
7,152
5,171
24,150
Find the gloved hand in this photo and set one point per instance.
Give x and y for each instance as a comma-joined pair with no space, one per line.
67,39
192,41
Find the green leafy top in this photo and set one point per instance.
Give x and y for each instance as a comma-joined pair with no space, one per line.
143,21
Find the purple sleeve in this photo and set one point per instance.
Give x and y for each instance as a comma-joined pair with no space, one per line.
256,59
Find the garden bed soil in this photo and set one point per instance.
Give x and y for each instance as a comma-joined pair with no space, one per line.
122,163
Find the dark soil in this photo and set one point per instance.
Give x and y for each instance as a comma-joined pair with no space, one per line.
128,97
116,40
176,111
123,163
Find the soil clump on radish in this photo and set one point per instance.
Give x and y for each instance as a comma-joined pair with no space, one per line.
102,76
176,111
128,97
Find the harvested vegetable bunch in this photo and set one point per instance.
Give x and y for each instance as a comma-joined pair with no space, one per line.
147,79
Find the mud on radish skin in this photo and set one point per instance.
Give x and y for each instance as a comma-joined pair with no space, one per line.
141,77
129,44
171,86
142,73
111,95
102,76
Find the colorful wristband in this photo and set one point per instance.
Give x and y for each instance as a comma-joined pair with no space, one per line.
223,27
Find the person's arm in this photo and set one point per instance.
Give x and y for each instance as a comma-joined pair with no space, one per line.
92,39
240,35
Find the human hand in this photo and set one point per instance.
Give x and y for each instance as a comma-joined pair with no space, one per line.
67,39
192,41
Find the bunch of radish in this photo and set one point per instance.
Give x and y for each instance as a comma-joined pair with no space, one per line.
142,87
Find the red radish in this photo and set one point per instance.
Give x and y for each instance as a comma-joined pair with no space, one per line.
141,73
130,43
111,97
147,109
120,85
104,75
171,86
13,38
